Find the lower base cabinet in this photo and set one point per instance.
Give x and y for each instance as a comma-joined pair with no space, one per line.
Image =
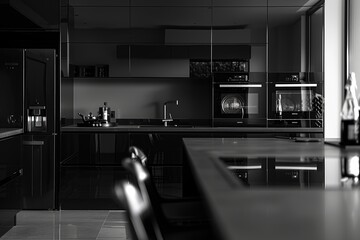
90,168
11,174
91,165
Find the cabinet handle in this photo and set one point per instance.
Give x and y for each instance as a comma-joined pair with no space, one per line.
244,167
33,143
240,85
309,168
297,85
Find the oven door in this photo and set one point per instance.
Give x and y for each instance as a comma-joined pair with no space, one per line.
237,104
295,101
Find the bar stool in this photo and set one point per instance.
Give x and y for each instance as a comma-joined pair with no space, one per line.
144,225
138,155
172,213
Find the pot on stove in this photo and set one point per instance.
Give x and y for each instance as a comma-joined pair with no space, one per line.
89,119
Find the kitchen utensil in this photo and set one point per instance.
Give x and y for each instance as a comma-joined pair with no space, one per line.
104,113
89,119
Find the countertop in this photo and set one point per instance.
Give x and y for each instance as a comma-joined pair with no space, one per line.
239,212
199,129
8,132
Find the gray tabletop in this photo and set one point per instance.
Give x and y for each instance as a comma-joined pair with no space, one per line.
330,212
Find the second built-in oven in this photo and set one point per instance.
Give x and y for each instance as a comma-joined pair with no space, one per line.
239,103
295,103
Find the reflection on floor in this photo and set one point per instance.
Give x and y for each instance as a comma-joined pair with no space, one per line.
69,224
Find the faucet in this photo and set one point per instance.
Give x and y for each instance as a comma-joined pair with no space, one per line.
170,119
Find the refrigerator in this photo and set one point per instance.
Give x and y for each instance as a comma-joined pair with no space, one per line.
28,101
39,129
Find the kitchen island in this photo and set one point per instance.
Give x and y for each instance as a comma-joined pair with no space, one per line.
245,208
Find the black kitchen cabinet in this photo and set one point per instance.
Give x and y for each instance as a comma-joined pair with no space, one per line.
11,170
166,161
30,15
39,168
11,88
90,166
141,39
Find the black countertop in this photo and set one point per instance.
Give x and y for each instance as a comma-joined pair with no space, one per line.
240,212
186,128
8,132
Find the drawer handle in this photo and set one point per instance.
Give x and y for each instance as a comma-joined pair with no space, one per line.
240,85
309,168
33,143
296,85
244,167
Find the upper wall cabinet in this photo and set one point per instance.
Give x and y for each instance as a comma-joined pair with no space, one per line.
287,38
30,14
294,36
135,38
165,38
161,38
238,35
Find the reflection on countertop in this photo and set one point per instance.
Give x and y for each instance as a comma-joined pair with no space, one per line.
325,212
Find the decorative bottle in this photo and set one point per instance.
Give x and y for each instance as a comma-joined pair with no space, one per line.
350,114
279,106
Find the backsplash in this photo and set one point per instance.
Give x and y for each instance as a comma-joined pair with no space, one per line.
144,97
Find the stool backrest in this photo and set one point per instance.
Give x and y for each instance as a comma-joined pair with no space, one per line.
140,213
137,153
145,184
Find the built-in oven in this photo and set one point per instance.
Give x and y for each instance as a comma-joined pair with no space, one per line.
238,101
294,101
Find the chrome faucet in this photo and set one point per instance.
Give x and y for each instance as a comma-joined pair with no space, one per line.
170,119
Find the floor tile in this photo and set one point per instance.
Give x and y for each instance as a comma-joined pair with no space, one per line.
112,232
69,224
31,232
37,217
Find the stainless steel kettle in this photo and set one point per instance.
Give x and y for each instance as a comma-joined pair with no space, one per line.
104,113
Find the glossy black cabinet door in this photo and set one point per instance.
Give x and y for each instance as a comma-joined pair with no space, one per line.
11,88
166,37
287,39
89,168
166,164
39,169
101,30
10,182
30,15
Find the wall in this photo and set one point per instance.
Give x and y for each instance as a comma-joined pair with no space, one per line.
333,66
143,98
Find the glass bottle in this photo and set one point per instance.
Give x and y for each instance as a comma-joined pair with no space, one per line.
350,114
279,106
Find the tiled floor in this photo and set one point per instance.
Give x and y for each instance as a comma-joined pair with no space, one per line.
69,224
